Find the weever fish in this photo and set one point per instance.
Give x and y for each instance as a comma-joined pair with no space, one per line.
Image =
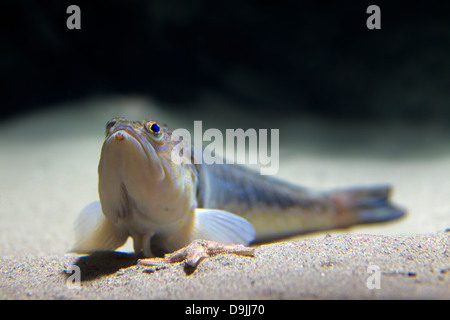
200,210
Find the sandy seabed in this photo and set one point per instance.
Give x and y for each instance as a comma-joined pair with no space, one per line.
48,170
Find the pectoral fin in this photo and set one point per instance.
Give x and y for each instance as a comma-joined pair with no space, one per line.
93,232
222,226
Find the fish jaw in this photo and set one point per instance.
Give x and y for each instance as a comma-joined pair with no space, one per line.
131,177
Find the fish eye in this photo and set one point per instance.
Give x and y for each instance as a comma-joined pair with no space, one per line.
108,126
110,123
155,129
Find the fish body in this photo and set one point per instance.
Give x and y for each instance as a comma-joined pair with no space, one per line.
166,205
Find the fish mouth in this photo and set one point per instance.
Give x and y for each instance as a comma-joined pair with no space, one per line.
133,145
129,171
127,136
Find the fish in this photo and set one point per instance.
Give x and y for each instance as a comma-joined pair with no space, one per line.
190,211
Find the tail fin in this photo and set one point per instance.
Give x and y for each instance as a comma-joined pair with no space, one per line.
365,205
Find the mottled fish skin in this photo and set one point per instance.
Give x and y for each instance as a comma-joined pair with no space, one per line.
276,208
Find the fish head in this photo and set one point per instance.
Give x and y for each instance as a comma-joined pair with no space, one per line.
137,178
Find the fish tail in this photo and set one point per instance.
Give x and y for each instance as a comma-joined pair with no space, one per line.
362,205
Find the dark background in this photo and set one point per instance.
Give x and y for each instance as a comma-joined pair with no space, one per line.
298,57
